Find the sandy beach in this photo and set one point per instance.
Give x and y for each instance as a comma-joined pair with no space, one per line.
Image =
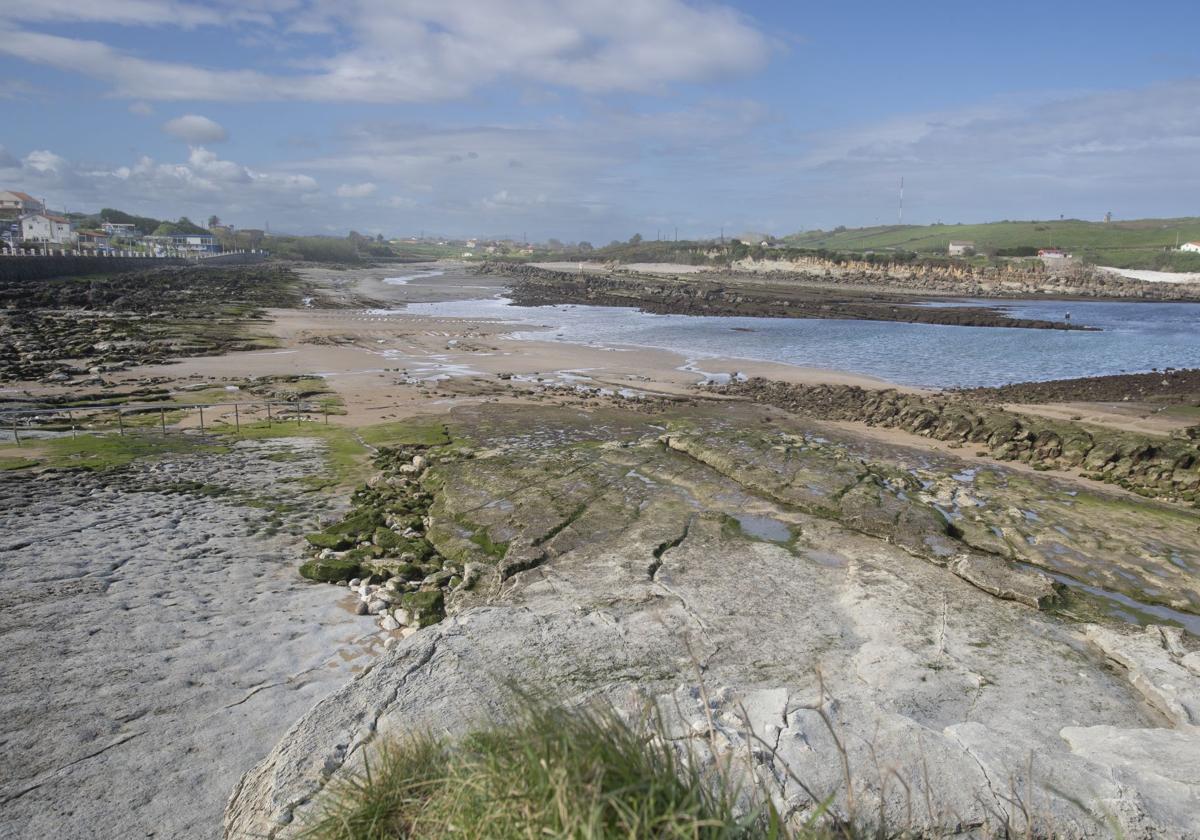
385,363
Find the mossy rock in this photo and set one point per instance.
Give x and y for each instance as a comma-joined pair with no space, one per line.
324,539
388,539
426,607
349,532
331,570
401,570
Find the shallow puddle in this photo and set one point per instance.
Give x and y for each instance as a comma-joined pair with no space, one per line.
764,527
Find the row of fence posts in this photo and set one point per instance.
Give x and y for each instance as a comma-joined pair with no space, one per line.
162,414
45,251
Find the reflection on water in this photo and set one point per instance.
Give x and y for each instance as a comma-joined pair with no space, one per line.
1133,337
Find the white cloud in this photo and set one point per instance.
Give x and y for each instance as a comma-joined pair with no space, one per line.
141,109
200,185
196,130
42,160
356,190
138,12
420,50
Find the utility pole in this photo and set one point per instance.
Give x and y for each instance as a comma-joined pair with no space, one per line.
676,233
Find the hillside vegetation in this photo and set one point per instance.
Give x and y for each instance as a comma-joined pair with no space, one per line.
1142,243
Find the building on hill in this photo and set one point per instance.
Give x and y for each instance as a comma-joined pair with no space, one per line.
960,248
193,243
15,204
1055,258
1194,247
121,230
46,229
92,240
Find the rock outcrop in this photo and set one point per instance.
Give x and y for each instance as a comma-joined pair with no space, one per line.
1148,466
746,582
716,295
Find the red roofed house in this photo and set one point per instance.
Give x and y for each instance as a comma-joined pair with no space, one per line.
14,205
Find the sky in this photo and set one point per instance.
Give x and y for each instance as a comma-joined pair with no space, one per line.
594,120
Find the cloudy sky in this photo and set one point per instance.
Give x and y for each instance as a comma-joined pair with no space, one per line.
594,119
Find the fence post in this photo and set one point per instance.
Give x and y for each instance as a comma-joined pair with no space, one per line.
71,420
325,411
237,421
162,415
121,421
268,414
201,419
297,413
16,433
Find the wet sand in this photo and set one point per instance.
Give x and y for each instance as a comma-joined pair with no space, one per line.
373,356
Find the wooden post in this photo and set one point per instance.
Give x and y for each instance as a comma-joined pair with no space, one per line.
268,414
162,415
325,411
237,421
16,432
121,421
201,419
297,412
71,420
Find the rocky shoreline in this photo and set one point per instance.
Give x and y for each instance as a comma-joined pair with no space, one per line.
1169,386
1153,467
972,281
65,328
616,551
718,295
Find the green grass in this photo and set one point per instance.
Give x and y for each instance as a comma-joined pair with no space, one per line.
345,456
1118,243
348,450
9,464
551,773
418,431
108,452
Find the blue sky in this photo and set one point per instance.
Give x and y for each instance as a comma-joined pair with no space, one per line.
595,120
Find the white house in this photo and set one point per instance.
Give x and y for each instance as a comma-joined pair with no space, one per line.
47,229
960,249
1194,247
120,229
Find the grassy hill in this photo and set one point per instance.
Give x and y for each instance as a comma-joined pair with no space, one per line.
1142,243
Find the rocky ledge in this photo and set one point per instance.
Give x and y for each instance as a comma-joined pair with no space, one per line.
1153,467
851,604
712,295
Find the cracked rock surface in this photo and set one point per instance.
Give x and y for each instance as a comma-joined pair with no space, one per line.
157,642
778,580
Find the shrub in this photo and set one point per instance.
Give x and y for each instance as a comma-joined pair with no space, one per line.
553,773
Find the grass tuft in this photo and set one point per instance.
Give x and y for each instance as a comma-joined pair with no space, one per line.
553,772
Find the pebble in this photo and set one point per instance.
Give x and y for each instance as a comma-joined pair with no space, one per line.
360,608
389,623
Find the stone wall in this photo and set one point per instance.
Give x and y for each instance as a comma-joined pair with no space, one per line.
972,281
1154,467
45,268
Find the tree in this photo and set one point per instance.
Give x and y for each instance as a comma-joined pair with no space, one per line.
635,239
213,221
585,246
